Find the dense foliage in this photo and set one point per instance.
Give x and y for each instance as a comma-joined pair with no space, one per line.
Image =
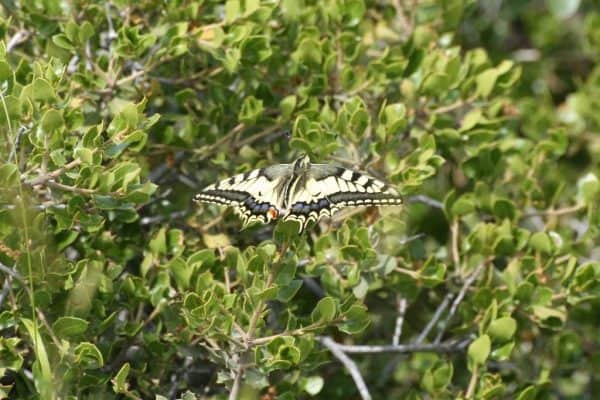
486,284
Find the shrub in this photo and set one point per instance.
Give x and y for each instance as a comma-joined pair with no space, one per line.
484,285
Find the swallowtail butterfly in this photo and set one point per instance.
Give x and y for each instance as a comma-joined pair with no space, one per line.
300,191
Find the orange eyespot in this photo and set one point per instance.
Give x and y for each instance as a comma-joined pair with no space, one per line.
272,213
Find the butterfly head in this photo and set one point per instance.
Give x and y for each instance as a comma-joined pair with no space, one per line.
302,164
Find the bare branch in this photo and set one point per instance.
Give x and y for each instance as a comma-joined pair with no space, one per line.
445,347
412,238
420,198
401,303
557,212
51,175
463,291
350,365
436,316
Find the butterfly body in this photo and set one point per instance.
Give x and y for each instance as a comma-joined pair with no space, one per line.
300,192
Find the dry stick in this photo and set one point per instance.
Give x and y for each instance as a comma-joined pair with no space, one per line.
399,320
350,365
463,291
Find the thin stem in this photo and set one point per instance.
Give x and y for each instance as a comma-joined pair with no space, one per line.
463,291
472,382
436,316
68,188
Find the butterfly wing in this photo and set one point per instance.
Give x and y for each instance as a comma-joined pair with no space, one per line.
329,188
253,195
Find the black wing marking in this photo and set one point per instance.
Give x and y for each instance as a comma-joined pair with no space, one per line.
331,188
250,194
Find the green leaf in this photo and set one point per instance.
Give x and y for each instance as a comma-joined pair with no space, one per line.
9,175
41,355
325,310
42,90
478,351
540,241
356,320
62,41
287,106
52,120
68,327
502,329
438,377
588,188
119,382
85,155
313,384
287,292
252,109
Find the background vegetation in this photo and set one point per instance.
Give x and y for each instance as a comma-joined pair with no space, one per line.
484,114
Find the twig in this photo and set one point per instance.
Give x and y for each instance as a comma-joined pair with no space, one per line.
159,218
453,106
420,198
68,188
454,231
445,347
11,272
111,29
463,291
51,175
350,365
257,136
436,316
401,304
411,239
404,22
557,212
18,38
472,383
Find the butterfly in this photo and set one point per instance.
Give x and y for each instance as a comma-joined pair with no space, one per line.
301,192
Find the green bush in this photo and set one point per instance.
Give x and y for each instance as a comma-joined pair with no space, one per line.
486,284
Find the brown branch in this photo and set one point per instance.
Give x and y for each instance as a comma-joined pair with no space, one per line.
54,174
68,188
